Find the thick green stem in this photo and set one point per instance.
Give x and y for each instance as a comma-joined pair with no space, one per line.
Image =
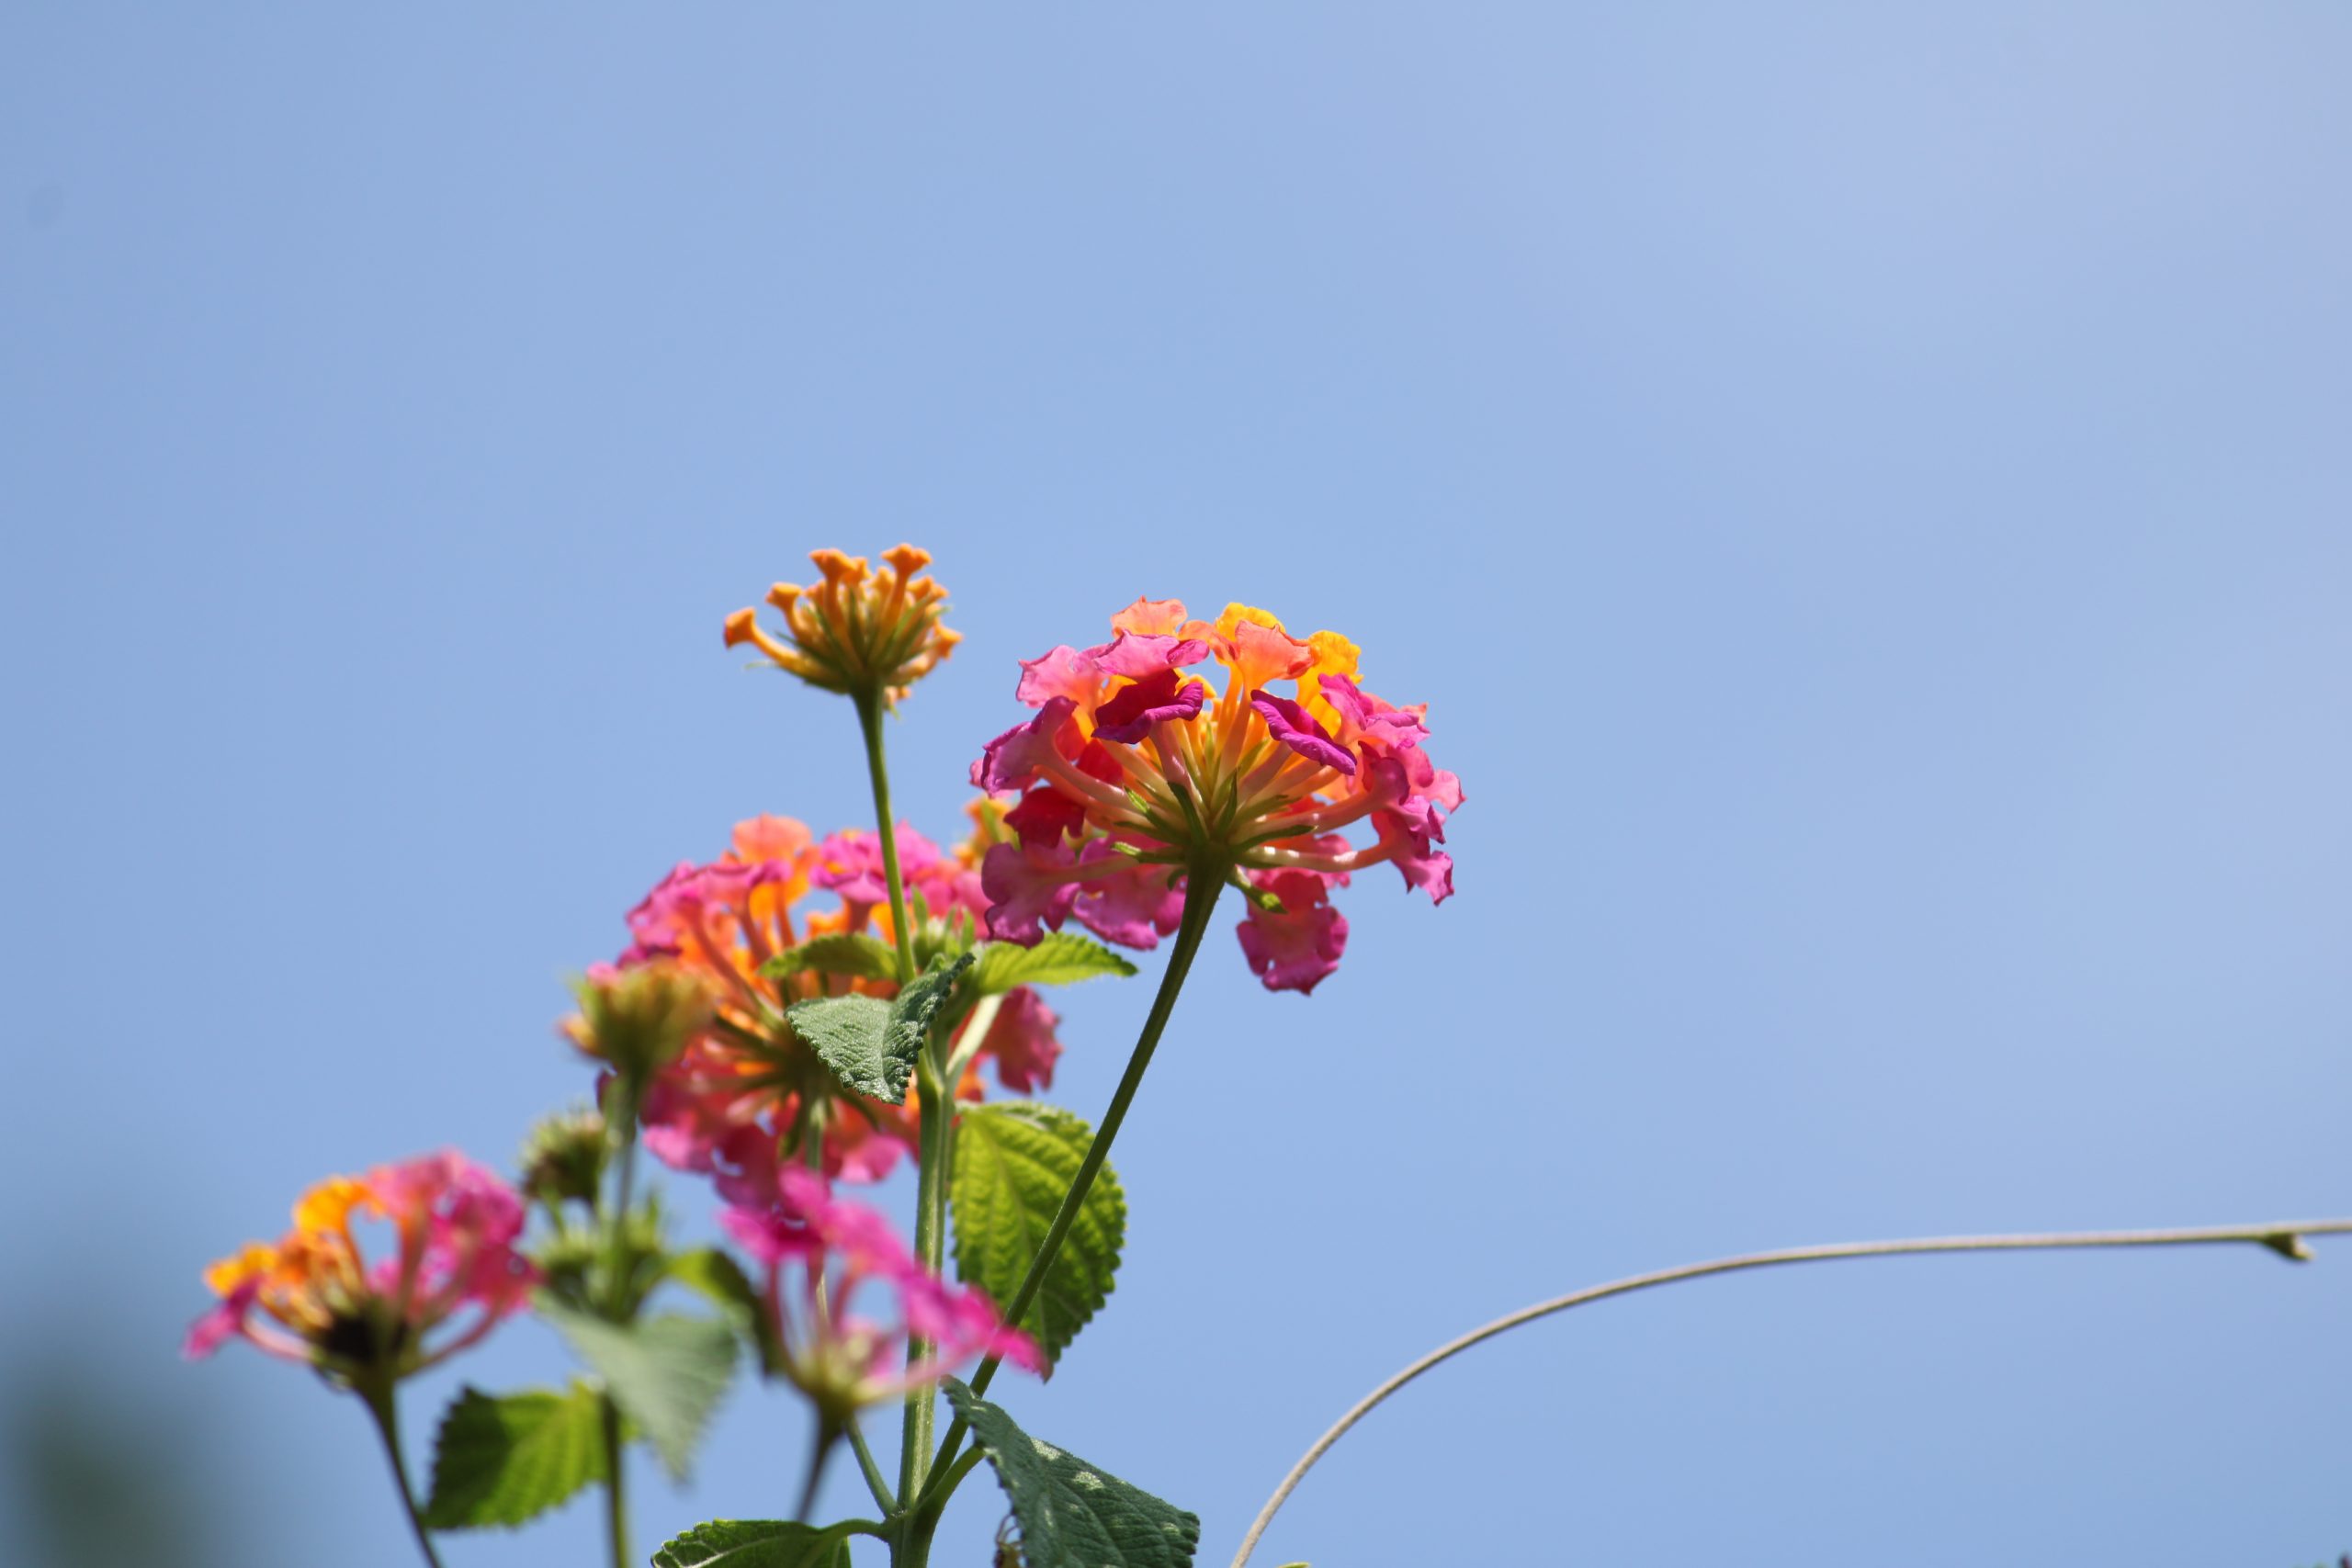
935,1110
1201,886
615,1497
381,1404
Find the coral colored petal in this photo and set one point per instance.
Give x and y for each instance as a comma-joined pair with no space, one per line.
1060,672
1133,657
1150,616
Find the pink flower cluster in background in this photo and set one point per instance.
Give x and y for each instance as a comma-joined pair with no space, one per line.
842,1361
454,1226
732,1099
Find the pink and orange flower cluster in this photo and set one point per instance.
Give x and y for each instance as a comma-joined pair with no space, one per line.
455,1227
746,1086
1136,774
841,1360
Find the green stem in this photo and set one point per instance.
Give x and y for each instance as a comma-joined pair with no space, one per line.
876,1481
619,1304
934,1109
1203,883
827,1436
869,720
381,1404
2285,1239
615,1497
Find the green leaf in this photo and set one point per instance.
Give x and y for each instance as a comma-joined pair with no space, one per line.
1013,1161
855,954
716,1277
666,1373
1059,959
917,1003
505,1459
848,1033
1071,1514
871,1045
754,1543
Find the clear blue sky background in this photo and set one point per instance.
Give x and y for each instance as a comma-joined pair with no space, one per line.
1864,492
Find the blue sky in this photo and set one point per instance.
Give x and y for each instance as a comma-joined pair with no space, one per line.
1863,492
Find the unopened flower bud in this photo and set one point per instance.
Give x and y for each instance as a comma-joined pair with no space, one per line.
564,1157
640,1018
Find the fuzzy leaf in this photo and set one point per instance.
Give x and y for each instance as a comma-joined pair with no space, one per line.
848,1033
1059,959
506,1459
855,954
754,1543
1073,1515
1013,1161
666,1373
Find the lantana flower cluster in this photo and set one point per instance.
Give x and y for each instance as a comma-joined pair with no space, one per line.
1134,774
746,1088
321,1301
1135,793
842,1361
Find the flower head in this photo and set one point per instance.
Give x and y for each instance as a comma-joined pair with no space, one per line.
1136,774
640,1018
745,1088
454,1229
845,1362
857,631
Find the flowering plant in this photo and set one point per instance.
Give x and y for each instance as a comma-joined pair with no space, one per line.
803,1015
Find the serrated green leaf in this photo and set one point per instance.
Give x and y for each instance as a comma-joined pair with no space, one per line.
667,1373
1059,959
1013,1161
1072,1514
848,1035
506,1459
754,1543
716,1277
855,954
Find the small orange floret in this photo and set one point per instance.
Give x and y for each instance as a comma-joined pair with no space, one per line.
252,1261
328,1205
742,626
907,559
839,567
